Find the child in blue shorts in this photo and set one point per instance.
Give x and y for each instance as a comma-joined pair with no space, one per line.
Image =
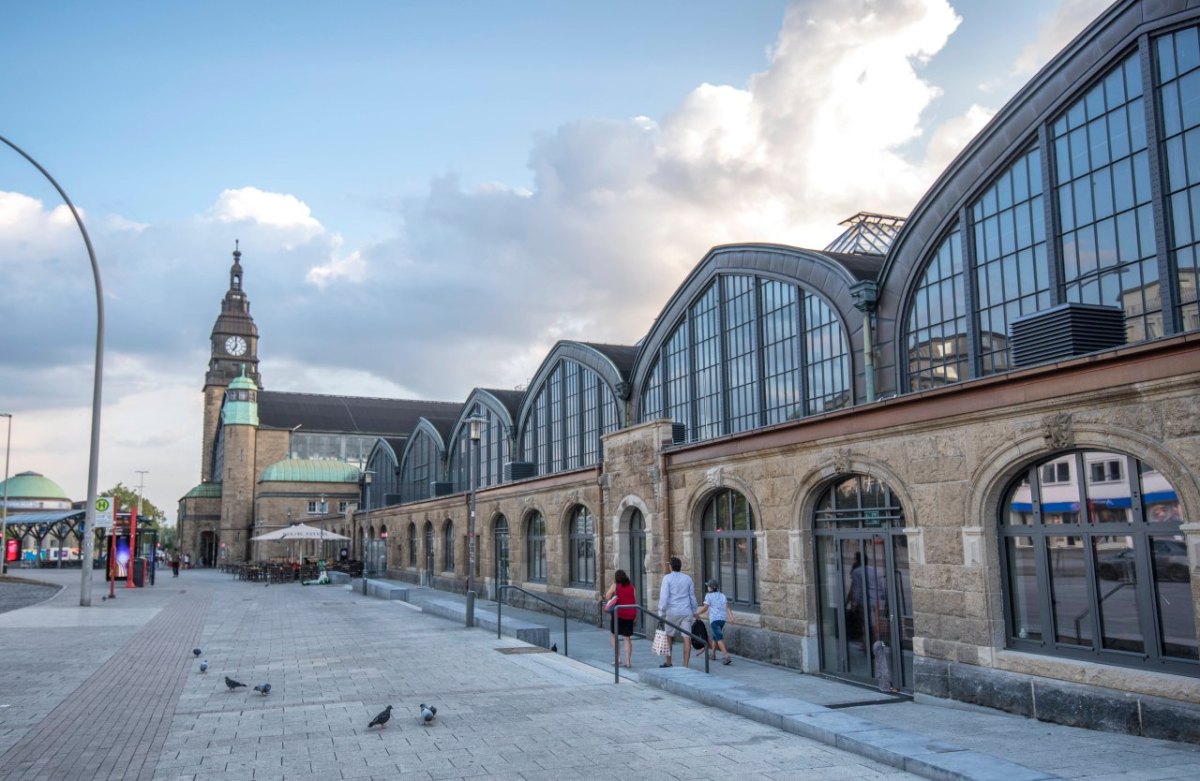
716,605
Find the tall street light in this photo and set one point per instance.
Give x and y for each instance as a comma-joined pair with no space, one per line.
89,527
141,485
4,515
474,433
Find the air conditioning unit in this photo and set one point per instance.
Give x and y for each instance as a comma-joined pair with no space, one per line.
391,499
678,433
442,488
519,470
1065,331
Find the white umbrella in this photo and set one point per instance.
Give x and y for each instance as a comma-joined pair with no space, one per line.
299,531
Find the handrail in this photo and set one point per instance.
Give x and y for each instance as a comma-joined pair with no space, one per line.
661,620
500,602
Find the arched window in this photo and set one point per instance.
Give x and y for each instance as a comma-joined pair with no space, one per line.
727,529
490,452
572,409
448,546
1096,565
412,545
583,547
421,467
535,547
749,352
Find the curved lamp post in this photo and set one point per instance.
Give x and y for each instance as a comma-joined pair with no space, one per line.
89,533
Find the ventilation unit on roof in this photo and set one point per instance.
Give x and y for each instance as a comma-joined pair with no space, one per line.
519,470
1065,331
391,499
678,433
442,488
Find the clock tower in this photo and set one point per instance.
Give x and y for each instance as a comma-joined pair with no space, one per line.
234,352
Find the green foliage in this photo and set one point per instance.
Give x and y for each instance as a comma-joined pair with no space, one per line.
127,497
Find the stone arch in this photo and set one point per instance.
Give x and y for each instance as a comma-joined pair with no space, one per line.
1002,465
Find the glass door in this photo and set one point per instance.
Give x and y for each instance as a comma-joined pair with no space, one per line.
636,566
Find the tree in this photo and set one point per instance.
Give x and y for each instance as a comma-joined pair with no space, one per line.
128,497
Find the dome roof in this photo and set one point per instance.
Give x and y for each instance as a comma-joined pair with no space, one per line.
243,382
31,485
311,470
204,491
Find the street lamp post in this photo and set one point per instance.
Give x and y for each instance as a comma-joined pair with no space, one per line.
141,485
89,527
474,433
4,515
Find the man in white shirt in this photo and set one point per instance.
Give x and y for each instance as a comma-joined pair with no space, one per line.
677,604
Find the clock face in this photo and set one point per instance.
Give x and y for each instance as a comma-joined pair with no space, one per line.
235,345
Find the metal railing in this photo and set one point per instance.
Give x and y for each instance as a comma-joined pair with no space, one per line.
500,603
617,640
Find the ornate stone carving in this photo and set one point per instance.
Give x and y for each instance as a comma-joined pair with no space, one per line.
712,477
1057,431
841,460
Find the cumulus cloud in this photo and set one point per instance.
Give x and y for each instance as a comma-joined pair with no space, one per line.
279,210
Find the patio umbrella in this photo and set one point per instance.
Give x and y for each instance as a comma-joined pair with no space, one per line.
299,531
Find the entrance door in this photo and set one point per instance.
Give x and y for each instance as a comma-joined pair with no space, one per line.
865,590
501,540
636,566
428,553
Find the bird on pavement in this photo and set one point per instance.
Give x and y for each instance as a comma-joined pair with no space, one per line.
554,647
232,684
263,688
382,718
196,652
203,665
427,713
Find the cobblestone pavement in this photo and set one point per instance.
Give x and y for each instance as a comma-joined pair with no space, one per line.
16,593
113,691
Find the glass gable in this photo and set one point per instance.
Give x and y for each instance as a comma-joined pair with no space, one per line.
749,352
570,412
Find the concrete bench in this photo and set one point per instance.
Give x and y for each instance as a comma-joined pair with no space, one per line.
485,618
381,589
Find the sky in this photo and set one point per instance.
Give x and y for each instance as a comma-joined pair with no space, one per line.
428,196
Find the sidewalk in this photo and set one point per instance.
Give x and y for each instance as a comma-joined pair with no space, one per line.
933,738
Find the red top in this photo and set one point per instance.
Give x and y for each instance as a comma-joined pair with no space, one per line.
626,595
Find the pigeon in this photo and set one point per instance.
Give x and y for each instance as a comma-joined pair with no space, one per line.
196,652
203,665
232,684
382,718
263,688
427,713
554,647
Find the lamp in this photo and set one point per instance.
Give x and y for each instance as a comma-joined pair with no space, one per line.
474,434
4,511
89,533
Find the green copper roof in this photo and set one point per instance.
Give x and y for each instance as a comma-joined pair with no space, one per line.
311,470
204,491
241,404
31,485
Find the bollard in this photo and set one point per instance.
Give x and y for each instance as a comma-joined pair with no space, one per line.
470,608
364,585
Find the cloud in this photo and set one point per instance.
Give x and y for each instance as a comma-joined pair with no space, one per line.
1066,21
251,204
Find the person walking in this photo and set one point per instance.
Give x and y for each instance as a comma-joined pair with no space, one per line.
622,592
677,604
175,565
716,605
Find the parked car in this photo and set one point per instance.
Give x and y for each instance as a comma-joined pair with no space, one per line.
1170,562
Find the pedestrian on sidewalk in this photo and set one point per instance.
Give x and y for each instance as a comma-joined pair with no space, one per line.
175,565
716,605
621,592
677,604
